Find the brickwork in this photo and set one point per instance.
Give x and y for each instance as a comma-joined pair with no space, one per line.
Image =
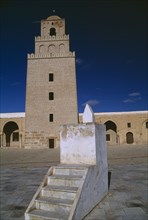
117,126
52,55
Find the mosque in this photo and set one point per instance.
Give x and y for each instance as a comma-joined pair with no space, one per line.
51,99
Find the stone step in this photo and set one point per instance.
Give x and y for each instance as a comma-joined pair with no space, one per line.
65,170
64,180
63,192
53,204
55,199
38,214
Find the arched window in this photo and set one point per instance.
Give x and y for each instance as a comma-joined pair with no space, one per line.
62,48
129,138
42,49
52,32
146,124
51,48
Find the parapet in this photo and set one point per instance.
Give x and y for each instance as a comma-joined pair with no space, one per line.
52,38
50,55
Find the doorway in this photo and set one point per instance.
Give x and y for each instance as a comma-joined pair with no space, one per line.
129,138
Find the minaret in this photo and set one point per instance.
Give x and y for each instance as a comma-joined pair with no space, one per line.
51,96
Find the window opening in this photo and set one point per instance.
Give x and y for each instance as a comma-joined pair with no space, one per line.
51,96
15,136
51,77
51,117
128,124
51,143
107,137
52,32
146,124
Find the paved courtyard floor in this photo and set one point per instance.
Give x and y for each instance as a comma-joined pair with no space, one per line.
22,171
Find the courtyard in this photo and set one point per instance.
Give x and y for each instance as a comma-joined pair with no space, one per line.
22,171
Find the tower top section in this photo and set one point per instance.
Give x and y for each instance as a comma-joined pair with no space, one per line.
53,17
53,26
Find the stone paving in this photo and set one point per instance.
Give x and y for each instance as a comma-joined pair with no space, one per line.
23,170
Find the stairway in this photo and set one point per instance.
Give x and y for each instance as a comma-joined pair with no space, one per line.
58,194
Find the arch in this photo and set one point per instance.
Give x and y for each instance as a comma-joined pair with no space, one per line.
111,125
146,124
51,48
111,132
129,138
10,128
42,49
144,132
62,48
52,31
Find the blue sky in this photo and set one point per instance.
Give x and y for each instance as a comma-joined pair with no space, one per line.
110,41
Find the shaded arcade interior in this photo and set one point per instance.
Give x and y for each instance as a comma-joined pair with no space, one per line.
11,133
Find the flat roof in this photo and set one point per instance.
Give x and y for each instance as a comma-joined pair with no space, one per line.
13,115
118,113
22,114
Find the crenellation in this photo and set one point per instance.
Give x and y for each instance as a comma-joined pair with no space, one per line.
50,55
52,38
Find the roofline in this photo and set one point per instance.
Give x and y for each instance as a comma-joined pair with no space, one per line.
118,113
13,115
22,114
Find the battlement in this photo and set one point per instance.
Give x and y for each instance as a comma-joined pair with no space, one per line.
51,55
52,38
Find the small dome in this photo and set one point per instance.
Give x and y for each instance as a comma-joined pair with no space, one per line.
53,17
